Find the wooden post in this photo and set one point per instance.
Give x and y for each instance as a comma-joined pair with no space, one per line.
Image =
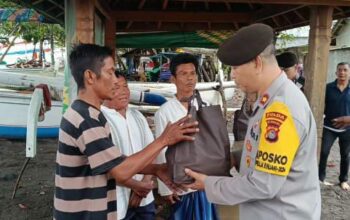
110,30
317,62
79,28
85,11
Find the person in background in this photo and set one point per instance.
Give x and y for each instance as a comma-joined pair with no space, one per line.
88,164
191,204
131,133
337,104
278,172
288,62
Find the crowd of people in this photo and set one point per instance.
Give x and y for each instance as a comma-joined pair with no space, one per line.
107,155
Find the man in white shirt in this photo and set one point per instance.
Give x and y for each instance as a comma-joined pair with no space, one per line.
191,204
131,133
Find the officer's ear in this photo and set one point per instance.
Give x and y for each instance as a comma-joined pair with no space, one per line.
258,64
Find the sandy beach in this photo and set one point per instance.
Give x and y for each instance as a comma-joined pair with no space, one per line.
35,195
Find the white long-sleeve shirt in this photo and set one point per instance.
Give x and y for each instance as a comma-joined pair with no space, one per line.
131,135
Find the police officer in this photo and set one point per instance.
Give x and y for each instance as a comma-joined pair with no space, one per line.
278,171
288,62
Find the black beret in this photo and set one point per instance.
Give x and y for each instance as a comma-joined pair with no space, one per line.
246,44
286,59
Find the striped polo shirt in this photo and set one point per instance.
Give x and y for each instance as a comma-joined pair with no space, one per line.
83,189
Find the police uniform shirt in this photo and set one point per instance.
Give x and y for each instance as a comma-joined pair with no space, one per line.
278,174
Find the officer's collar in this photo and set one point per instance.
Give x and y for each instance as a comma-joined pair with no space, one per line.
265,98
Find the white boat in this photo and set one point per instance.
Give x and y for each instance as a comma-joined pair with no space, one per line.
14,105
207,90
167,90
13,121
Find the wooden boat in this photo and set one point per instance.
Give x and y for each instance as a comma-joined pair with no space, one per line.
13,121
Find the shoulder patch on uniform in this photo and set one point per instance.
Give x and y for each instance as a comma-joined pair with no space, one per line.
279,140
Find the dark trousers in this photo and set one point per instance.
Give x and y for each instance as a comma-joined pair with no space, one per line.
147,212
328,139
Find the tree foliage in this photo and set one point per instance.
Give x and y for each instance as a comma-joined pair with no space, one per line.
30,31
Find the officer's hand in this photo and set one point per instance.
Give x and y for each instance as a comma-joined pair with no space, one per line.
182,130
341,122
199,180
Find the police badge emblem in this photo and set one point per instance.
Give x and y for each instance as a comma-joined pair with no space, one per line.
271,134
274,121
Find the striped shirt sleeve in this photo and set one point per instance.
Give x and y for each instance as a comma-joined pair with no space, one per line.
96,143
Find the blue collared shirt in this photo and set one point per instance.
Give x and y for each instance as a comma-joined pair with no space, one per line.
337,103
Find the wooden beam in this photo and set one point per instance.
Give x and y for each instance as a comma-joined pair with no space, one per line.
341,11
270,12
184,4
299,15
189,17
165,4
37,2
287,2
292,25
102,9
141,4
56,4
228,6
206,5
110,37
51,8
274,19
129,25
287,19
59,14
42,12
316,68
153,26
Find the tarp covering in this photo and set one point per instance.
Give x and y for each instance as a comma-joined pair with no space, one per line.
201,39
20,15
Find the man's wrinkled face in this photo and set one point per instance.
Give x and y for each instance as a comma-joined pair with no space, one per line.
122,95
185,78
343,73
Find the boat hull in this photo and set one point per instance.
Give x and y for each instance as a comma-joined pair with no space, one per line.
8,132
13,121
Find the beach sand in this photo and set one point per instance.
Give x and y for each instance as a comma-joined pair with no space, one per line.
35,195
34,198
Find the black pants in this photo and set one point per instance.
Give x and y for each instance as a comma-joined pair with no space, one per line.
328,139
